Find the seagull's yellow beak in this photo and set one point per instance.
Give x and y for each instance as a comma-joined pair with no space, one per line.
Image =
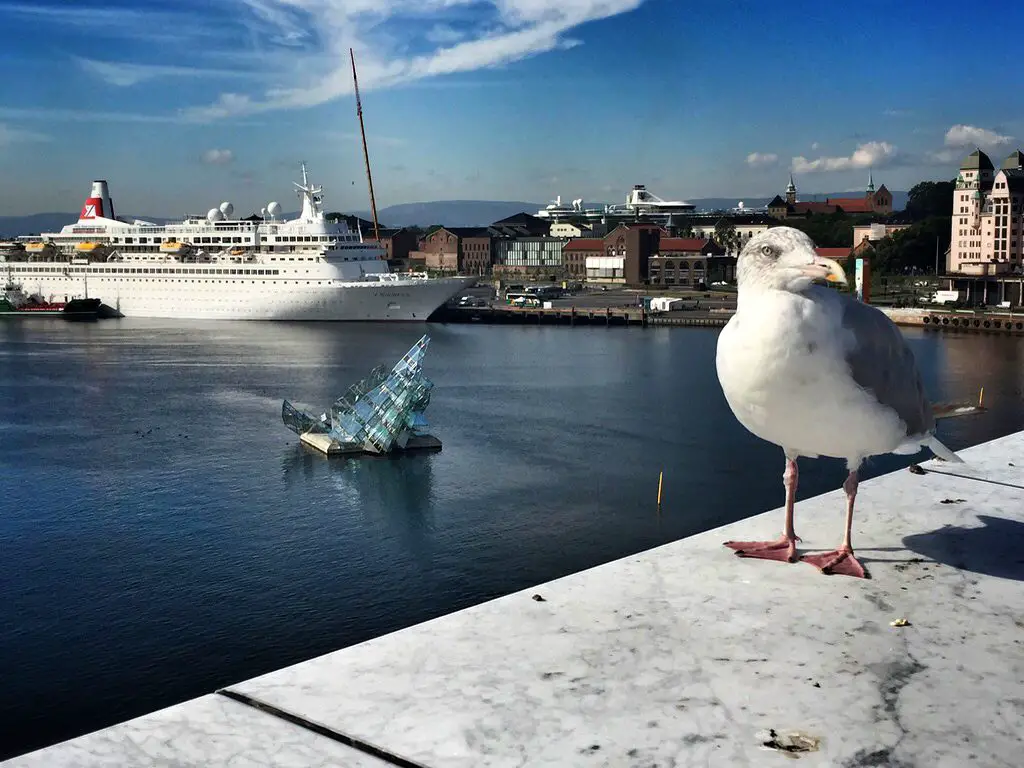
825,269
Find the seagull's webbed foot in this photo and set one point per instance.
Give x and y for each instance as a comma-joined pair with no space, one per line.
839,561
782,549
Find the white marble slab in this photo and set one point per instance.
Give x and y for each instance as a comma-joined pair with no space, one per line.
209,731
685,654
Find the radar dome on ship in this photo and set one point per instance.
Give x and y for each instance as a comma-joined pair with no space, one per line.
274,208
227,209
214,214
263,212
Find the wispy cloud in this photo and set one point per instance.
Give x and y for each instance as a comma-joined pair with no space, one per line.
127,74
9,135
875,154
944,156
506,31
762,159
46,114
115,22
218,156
444,34
969,136
892,112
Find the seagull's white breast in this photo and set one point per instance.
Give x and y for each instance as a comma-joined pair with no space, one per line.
781,362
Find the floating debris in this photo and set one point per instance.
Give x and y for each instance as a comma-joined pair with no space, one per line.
899,623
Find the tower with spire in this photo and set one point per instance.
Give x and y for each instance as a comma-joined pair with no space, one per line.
791,191
871,183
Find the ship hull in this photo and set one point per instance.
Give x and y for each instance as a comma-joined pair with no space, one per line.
409,300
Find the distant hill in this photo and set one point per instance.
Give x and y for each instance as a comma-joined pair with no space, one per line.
452,213
12,226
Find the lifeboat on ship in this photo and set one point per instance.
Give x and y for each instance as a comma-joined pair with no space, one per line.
11,249
40,250
90,251
175,247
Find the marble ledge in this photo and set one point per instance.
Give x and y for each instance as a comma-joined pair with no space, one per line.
687,655
212,730
683,655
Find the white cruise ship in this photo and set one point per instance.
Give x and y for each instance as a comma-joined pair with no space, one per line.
218,267
639,203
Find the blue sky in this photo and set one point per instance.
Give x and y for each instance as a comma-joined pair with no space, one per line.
180,105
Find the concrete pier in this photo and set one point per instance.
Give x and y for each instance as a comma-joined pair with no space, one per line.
1002,323
682,655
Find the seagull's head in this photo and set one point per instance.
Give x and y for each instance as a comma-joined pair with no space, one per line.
784,258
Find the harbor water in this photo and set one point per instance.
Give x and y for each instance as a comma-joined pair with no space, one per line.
163,534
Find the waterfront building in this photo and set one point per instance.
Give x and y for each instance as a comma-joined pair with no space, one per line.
866,234
688,262
462,250
985,260
987,236
876,201
540,255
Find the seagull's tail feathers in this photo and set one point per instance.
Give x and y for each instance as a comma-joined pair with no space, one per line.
947,410
942,451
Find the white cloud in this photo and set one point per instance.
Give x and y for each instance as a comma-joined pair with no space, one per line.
945,156
9,135
98,116
218,156
970,136
110,22
759,159
815,146
506,31
126,74
443,34
872,154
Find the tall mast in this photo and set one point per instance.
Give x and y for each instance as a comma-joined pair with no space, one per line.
366,154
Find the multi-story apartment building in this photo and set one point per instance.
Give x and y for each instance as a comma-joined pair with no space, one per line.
987,236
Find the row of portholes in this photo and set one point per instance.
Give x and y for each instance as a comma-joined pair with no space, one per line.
965,322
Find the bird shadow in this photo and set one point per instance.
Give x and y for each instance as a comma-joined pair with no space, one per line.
994,549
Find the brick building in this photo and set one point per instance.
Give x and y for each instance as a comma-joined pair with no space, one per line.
576,251
466,250
626,253
687,262
872,201
399,243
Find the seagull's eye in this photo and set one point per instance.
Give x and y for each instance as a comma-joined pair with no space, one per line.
767,250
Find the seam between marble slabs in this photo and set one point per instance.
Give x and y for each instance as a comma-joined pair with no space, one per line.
918,469
322,730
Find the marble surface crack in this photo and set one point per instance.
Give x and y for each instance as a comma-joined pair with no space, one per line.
322,730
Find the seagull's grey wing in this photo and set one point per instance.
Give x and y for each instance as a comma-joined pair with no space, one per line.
880,361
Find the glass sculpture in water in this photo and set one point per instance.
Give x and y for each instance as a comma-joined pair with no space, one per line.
381,413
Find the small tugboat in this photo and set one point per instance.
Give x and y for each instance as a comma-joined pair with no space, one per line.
14,302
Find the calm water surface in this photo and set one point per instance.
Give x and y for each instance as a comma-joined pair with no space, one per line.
163,534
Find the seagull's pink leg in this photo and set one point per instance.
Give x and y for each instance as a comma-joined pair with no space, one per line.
783,549
842,560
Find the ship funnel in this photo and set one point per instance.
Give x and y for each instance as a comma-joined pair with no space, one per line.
98,204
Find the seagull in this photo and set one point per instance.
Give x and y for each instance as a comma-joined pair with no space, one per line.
818,373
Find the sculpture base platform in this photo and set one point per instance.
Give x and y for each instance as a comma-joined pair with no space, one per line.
328,447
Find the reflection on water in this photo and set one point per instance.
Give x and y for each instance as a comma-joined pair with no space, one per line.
164,534
399,486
